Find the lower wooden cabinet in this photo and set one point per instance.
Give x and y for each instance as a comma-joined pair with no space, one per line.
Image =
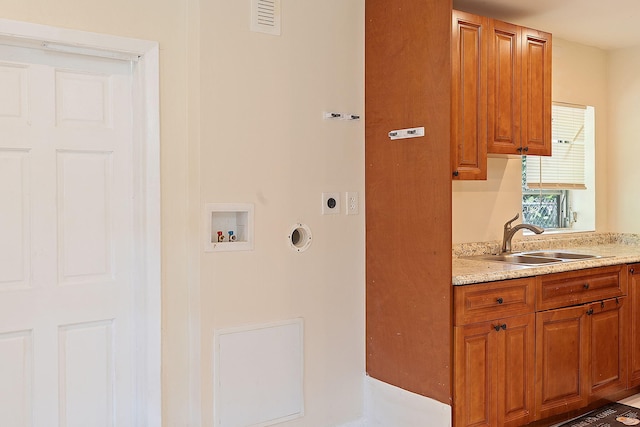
516,362
494,370
494,339
634,325
561,358
608,354
580,355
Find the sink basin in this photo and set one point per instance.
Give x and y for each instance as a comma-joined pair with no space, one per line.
562,255
519,259
535,258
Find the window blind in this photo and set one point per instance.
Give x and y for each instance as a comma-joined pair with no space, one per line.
564,169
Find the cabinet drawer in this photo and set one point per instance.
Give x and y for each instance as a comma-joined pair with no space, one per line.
582,286
490,301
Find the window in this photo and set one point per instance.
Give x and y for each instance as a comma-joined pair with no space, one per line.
558,191
546,209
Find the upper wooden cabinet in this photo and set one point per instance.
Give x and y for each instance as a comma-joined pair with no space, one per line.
519,90
469,96
504,88
501,92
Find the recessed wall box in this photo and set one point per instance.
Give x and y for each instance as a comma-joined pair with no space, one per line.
228,227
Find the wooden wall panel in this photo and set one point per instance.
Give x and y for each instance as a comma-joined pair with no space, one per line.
408,195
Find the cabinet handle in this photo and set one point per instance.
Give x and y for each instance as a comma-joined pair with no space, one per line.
586,286
503,326
631,270
499,300
496,327
590,312
526,149
456,173
519,149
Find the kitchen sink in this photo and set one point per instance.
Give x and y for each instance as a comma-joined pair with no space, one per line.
518,259
562,255
535,258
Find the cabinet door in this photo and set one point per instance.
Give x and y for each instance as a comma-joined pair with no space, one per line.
474,364
503,90
494,372
562,357
634,328
607,347
515,371
469,97
536,92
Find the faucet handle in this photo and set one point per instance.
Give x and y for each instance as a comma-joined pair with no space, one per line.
507,225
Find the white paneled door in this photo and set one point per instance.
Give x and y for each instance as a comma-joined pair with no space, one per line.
67,326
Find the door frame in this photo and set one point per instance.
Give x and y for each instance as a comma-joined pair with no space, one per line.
144,55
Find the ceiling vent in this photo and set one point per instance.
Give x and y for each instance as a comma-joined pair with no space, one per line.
265,16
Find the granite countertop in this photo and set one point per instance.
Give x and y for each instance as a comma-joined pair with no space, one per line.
612,248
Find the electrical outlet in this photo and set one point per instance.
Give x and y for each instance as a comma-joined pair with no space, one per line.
353,203
330,203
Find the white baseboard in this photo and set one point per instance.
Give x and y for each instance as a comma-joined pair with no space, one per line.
386,405
358,423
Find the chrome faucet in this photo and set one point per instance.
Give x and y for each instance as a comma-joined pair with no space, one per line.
510,231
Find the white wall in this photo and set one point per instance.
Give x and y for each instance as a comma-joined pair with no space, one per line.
481,208
241,121
264,141
624,88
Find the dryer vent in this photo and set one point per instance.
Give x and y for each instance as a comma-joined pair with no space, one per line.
265,16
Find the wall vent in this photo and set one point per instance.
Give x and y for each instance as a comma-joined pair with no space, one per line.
265,16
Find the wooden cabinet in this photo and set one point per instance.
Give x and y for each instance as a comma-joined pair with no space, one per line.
580,350
528,349
408,187
580,355
608,346
494,358
561,359
501,92
519,90
469,96
634,325
504,88
536,93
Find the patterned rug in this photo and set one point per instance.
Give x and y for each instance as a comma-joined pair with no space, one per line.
611,415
